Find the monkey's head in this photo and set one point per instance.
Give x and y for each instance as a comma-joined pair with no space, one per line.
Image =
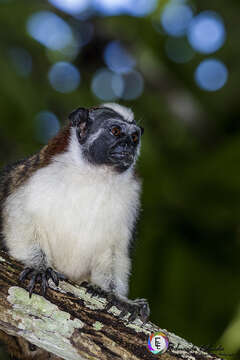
108,135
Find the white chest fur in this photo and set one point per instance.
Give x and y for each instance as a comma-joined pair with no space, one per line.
75,216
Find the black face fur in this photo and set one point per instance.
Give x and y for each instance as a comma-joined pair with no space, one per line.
106,137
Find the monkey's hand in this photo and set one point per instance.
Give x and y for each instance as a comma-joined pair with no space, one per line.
136,308
41,276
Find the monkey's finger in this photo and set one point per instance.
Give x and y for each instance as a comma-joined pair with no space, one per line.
144,312
111,302
61,276
32,284
92,290
140,301
24,274
44,285
53,276
144,320
123,313
134,314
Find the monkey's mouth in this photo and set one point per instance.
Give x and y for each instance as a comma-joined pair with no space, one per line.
122,155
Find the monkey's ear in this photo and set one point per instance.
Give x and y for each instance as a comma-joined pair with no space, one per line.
142,130
79,118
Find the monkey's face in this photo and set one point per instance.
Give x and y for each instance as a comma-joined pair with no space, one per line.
115,144
109,139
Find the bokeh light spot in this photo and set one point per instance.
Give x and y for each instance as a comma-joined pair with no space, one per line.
143,8
21,60
105,84
175,18
117,85
64,77
69,53
211,75
179,50
46,126
117,58
130,7
111,7
206,32
72,7
50,30
133,85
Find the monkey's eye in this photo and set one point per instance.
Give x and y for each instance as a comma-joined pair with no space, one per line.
135,137
116,131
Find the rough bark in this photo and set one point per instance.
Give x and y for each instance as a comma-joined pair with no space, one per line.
71,324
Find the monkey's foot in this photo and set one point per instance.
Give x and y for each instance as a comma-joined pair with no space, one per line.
41,276
92,289
136,308
139,307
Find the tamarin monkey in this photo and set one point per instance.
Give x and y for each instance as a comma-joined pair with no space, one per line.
70,210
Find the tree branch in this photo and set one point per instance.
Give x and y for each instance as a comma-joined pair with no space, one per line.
71,324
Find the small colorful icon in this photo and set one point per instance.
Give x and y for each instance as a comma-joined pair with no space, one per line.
158,343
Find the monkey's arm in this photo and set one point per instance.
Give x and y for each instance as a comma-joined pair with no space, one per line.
22,240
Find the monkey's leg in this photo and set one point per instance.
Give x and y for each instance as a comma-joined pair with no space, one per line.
101,272
121,269
111,272
38,270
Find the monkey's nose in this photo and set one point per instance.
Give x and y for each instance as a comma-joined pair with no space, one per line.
123,146
127,141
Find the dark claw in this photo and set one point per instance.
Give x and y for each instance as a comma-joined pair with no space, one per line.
123,313
53,275
140,308
108,306
111,302
92,290
84,283
89,289
134,314
32,282
144,312
24,274
41,276
61,276
94,293
44,284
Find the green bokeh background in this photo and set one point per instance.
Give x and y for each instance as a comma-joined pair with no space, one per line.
186,261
